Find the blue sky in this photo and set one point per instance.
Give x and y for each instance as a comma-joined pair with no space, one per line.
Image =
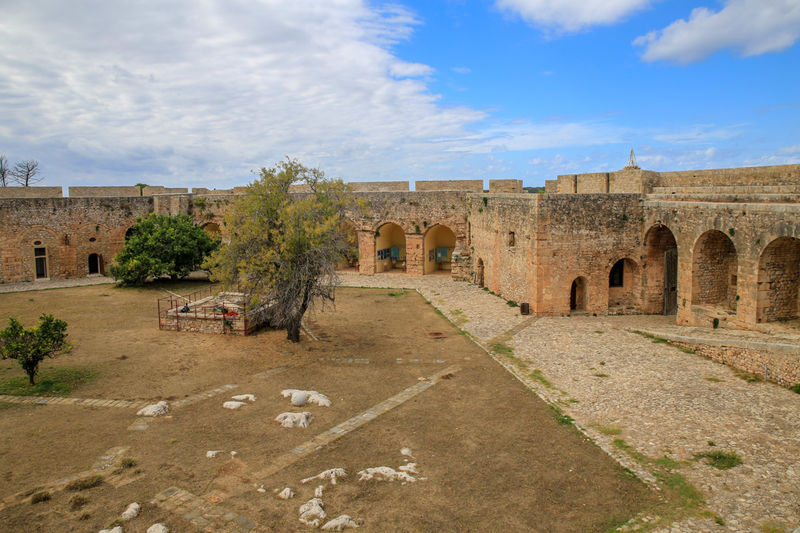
200,93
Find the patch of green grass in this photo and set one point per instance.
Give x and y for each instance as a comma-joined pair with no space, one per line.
713,516
795,388
607,430
712,443
40,497
691,498
602,363
667,462
684,349
538,376
511,303
85,483
712,379
599,331
719,459
8,405
770,526
51,381
750,378
398,293
600,375
502,349
560,418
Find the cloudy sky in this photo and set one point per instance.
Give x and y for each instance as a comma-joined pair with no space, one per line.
201,92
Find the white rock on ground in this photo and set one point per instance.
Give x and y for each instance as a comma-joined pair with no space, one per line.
406,452
212,453
318,491
286,494
312,512
339,523
158,528
244,398
409,468
261,489
331,473
131,512
155,409
117,529
384,473
301,397
233,405
290,420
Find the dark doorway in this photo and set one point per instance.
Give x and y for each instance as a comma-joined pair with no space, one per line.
577,295
40,258
94,264
671,281
479,273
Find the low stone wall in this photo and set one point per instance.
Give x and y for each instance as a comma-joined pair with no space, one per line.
30,192
449,185
777,367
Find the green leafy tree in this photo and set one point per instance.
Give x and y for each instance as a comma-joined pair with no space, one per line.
30,346
284,247
162,245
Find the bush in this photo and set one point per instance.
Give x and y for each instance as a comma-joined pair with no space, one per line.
40,497
85,483
30,346
162,245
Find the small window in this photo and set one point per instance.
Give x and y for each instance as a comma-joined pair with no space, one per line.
37,243
92,239
615,277
39,252
511,239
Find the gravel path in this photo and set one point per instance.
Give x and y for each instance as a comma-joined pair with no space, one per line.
53,284
659,400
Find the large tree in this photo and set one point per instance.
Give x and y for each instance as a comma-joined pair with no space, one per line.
284,247
30,346
4,171
161,245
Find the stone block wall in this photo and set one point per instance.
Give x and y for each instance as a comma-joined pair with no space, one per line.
378,186
449,185
502,186
69,229
30,192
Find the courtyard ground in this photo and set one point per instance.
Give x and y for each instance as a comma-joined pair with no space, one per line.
650,404
491,455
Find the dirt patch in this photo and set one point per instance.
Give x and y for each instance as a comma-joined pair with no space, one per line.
491,454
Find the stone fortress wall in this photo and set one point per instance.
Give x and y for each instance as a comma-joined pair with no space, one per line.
714,247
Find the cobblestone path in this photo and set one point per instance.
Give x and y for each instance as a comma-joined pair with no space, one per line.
659,400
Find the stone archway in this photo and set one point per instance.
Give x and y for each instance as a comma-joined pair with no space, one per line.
95,264
714,271
624,287
660,272
578,294
390,248
438,245
779,281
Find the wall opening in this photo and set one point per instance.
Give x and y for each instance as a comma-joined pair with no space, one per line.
479,273
577,295
350,259
439,243
212,229
95,264
40,261
128,233
660,271
714,264
390,248
623,287
779,281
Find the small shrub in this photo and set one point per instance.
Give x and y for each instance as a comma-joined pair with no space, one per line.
85,483
78,501
719,459
511,303
40,497
128,462
485,201
560,418
600,375
715,323
85,516
795,388
538,376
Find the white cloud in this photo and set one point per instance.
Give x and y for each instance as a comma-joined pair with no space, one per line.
461,70
571,15
751,27
201,93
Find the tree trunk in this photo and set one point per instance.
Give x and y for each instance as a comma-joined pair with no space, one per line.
293,331
30,378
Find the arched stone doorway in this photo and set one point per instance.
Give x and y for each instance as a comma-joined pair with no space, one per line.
779,281
624,287
95,264
479,268
390,248
212,229
438,246
577,294
714,271
660,272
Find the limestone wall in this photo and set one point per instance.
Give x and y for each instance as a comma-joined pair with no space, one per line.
449,185
503,186
30,192
378,186
68,229
769,175
109,192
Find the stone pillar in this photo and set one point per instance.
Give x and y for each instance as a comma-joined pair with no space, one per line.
415,263
366,252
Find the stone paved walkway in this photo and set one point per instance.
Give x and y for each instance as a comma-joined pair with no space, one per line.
659,400
54,284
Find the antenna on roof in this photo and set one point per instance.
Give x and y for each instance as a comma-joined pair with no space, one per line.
631,162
